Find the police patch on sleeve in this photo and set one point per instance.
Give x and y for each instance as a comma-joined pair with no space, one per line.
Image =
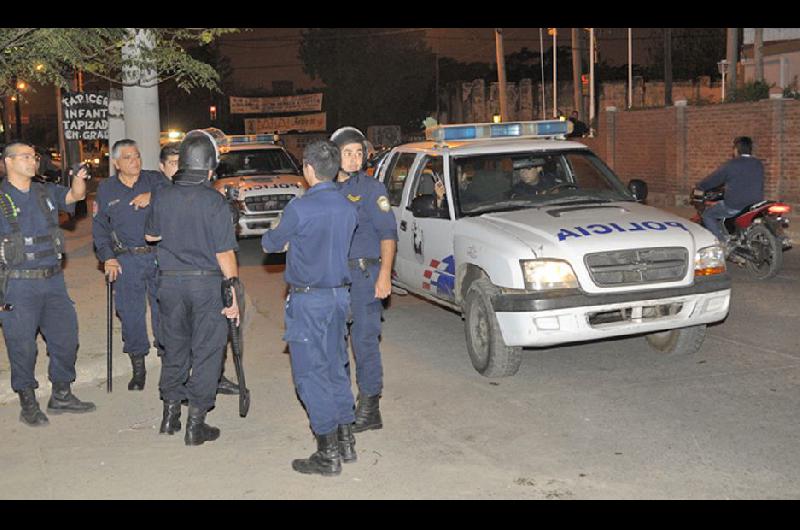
94,208
383,203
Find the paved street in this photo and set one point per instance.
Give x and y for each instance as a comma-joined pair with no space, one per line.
589,421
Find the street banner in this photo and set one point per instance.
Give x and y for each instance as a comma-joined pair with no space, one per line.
276,105
85,115
282,124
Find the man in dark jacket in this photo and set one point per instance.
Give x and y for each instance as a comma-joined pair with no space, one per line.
743,178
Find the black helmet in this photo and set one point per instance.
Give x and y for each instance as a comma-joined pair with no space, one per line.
350,135
198,151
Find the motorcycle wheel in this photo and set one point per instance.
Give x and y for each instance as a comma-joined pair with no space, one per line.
767,252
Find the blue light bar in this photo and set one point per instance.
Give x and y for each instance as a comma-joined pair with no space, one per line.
486,131
239,139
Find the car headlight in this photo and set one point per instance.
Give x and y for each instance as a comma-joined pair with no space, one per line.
544,274
709,261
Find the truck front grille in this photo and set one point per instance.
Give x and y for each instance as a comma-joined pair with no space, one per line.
637,266
267,203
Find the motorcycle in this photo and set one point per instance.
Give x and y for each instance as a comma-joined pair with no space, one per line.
756,234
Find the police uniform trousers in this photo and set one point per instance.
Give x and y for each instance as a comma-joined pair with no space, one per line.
40,305
315,331
365,331
193,333
132,290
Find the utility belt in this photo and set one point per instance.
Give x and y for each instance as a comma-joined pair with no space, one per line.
134,250
33,274
362,263
307,289
13,247
190,273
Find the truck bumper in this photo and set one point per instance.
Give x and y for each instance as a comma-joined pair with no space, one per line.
255,225
546,319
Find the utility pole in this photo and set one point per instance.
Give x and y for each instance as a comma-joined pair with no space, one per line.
630,67
140,97
555,73
667,67
501,72
758,53
733,59
541,63
591,82
577,69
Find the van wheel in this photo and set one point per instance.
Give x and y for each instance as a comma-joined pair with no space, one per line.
489,354
683,341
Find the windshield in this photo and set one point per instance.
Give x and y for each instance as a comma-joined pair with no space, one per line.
254,161
509,181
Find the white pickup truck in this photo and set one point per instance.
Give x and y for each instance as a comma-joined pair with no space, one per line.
260,176
538,243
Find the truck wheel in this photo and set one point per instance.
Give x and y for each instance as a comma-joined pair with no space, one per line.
683,341
768,251
489,354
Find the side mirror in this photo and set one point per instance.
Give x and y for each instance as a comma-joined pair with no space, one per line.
638,189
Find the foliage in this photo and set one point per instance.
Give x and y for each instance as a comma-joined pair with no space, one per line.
47,55
373,76
752,91
695,53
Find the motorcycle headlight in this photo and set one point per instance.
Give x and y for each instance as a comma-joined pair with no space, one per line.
709,261
544,274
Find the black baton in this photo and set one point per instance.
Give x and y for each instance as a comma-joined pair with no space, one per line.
237,343
109,329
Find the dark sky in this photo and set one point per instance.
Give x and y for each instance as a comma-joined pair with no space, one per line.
262,55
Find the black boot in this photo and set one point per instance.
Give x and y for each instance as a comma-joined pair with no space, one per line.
139,373
197,432
347,443
326,461
171,423
31,414
368,414
63,400
226,386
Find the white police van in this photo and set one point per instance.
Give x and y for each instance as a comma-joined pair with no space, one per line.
260,176
538,243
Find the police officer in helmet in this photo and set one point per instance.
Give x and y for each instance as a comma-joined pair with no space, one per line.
370,262
196,251
33,296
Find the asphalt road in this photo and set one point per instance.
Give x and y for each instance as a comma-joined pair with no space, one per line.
590,421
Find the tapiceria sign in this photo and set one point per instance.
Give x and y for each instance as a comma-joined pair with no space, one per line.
85,116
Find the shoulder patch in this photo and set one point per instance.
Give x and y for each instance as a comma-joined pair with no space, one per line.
95,208
383,203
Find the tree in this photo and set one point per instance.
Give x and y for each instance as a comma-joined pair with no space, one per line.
372,76
48,55
695,53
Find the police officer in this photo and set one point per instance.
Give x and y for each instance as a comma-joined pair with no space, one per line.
168,159
318,228
371,255
120,211
34,296
196,250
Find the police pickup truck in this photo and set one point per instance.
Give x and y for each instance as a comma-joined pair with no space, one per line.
260,176
537,242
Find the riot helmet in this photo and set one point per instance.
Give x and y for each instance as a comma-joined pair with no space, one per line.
199,154
350,135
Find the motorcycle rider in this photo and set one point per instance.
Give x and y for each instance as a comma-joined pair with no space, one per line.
743,178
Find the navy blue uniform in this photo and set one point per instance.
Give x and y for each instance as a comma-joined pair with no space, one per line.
194,223
114,213
319,229
743,178
39,304
376,223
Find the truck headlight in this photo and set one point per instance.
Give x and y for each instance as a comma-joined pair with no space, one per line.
709,261
544,274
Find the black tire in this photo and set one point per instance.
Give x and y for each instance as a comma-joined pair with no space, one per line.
489,354
768,251
683,341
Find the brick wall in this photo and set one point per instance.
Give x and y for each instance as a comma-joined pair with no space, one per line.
673,148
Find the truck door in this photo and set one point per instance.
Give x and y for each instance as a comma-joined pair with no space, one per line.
428,233
395,177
